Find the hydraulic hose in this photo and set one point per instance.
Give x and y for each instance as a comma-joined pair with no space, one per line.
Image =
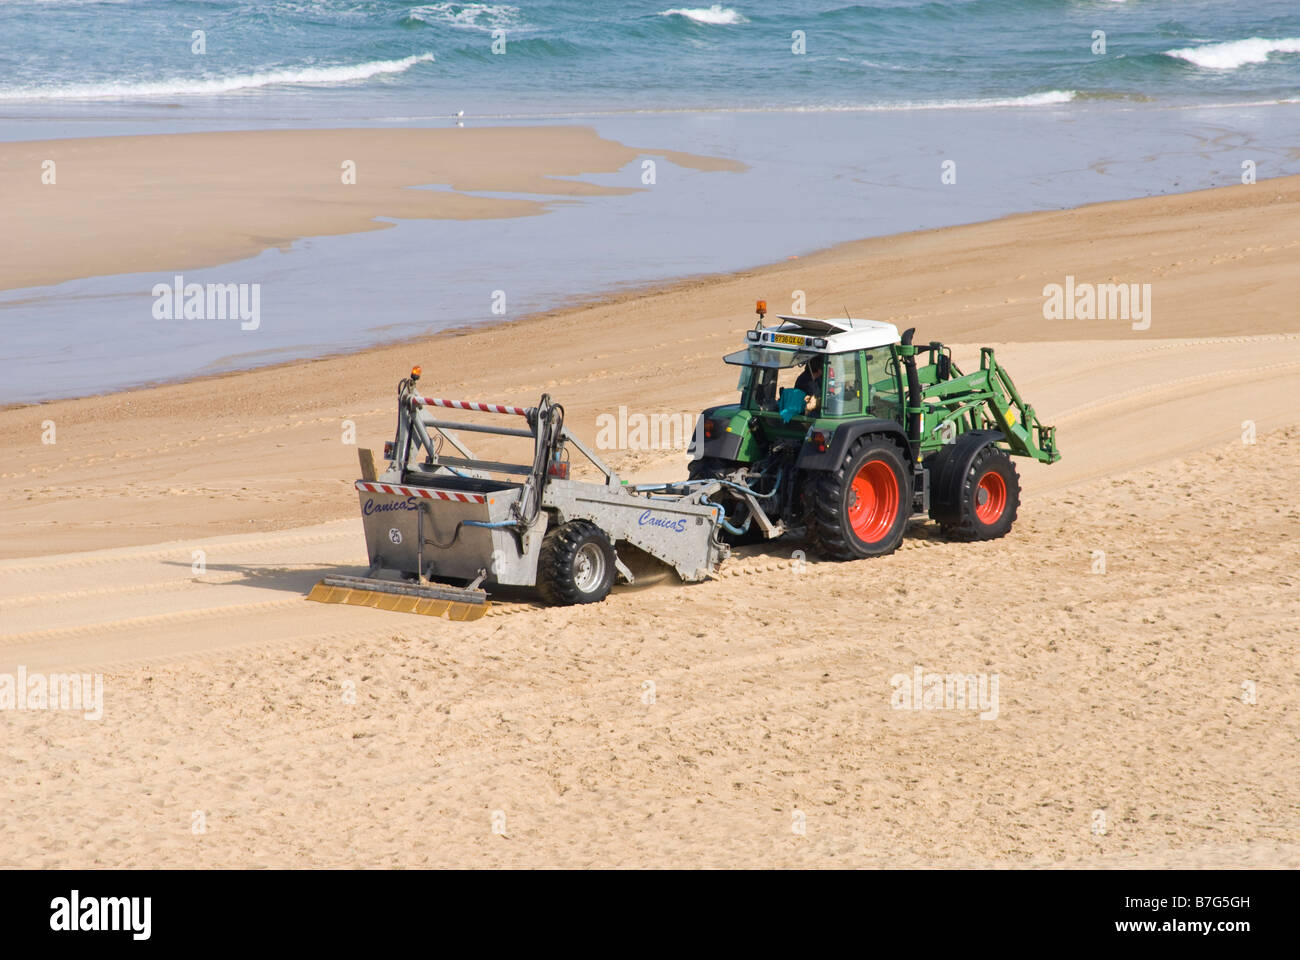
704,481
548,425
722,518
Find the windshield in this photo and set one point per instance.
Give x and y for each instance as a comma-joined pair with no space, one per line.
768,357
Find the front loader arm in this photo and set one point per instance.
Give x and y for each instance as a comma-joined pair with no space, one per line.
988,398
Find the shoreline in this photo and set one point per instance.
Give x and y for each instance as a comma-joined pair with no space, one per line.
290,185
436,253
260,449
639,292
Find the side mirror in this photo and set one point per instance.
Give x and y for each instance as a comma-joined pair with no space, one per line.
943,366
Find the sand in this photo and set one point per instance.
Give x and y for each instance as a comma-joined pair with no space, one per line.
1121,691
184,201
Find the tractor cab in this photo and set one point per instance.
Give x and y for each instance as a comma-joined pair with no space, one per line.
839,363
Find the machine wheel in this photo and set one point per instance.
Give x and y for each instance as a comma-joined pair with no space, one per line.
861,509
988,500
713,468
575,565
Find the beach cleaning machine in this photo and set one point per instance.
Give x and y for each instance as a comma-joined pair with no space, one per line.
876,431
447,524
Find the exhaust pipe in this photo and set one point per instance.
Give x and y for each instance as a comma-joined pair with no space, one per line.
913,396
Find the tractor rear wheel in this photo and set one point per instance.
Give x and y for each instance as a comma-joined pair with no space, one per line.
576,564
861,509
988,500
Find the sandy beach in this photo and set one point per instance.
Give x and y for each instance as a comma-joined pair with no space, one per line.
226,693
181,201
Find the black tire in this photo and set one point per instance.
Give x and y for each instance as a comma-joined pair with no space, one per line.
575,565
846,524
989,498
709,468
714,468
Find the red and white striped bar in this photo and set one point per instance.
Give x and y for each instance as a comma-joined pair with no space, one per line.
423,492
476,405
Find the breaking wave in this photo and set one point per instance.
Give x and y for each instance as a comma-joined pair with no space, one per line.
209,85
1235,53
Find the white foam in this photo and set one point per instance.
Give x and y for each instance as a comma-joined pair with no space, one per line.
467,16
1029,100
714,15
207,85
1236,53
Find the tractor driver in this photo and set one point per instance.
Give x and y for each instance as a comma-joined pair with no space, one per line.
810,382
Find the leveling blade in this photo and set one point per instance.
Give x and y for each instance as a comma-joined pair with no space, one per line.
426,599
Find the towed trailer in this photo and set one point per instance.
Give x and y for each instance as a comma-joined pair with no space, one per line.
443,527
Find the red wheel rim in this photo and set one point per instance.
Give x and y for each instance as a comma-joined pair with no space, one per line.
990,497
873,501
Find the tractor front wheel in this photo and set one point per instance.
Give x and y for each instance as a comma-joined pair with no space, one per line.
861,509
575,565
989,497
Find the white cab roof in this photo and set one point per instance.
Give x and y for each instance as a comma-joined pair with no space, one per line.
841,334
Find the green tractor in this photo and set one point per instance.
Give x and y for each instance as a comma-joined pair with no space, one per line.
847,430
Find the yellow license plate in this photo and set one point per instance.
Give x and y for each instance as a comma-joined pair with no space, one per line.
786,338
